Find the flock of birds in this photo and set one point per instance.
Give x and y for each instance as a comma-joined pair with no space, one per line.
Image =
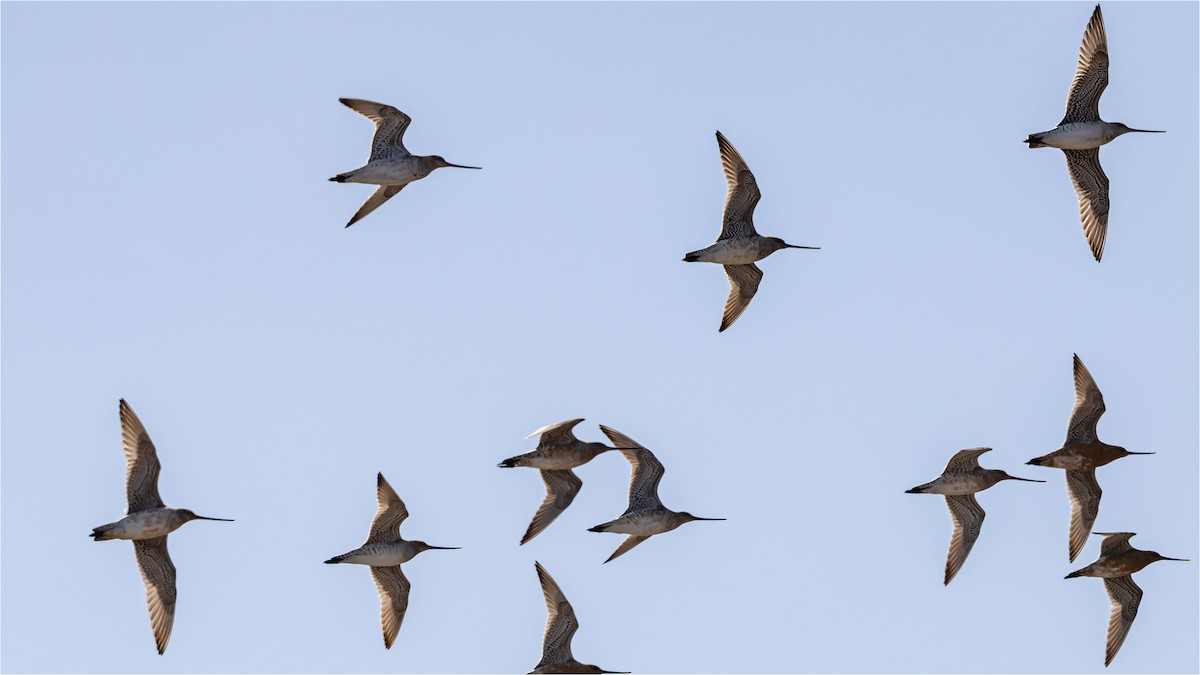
391,166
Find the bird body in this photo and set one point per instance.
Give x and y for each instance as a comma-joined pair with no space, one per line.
959,482
383,552
739,245
391,166
147,524
561,625
1117,562
1081,132
1081,454
646,516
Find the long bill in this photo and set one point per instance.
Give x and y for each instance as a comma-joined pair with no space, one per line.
1148,131
699,518
225,520
811,248
460,166
1027,480
444,548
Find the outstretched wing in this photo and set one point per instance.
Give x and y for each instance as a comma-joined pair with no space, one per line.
645,475
561,623
158,574
391,513
1091,186
561,488
1091,76
743,284
1089,406
557,434
965,460
141,463
377,198
743,196
1085,506
968,518
393,600
390,124
1115,543
1125,597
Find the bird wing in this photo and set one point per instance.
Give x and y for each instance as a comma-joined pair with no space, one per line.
393,600
1125,597
646,472
743,196
377,198
1085,506
141,463
630,541
968,518
392,512
561,488
158,574
743,284
561,623
965,460
1089,406
1115,543
390,124
1091,76
557,434
1091,186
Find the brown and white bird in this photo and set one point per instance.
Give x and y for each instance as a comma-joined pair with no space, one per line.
147,523
1117,562
959,482
561,625
384,551
739,245
1081,454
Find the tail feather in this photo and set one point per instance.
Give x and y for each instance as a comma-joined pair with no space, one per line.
1035,141
101,533
340,178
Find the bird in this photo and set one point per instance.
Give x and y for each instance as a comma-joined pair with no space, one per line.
739,245
1117,562
558,451
561,625
1080,455
391,165
384,551
1081,133
646,516
148,522
959,482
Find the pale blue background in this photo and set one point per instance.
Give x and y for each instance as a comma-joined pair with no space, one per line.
169,237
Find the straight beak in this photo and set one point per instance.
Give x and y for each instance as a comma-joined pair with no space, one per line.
1146,131
460,166
1138,453
698,518
444,548
811,248
226,520
1175,559
1027,480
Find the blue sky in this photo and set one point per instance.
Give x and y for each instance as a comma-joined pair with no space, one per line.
169,237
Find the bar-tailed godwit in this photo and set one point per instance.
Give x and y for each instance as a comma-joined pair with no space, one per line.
561,625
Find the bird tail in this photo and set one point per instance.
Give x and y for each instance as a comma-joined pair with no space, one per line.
101,533
341,177
1035,141
336,559
920,489
508,463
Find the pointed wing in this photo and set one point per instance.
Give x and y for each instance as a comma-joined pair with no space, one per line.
561,488
743,284
646,474
1085,506
377,198
1115,543
965,460
1091,186
561,623
1089,406
141,463
158,574
392,512
557,434
630,541
393,600
1091,77
1125,597
390,124
968,518
743,196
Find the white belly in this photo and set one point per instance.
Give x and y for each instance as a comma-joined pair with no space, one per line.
144,525
737,251
643,525
385,172
1077,136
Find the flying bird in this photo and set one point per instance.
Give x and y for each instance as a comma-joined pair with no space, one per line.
147,523
391,165
1117,562
561,625
739,245
646,516
558,451
1081,133
1081,454
962,478
384,551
